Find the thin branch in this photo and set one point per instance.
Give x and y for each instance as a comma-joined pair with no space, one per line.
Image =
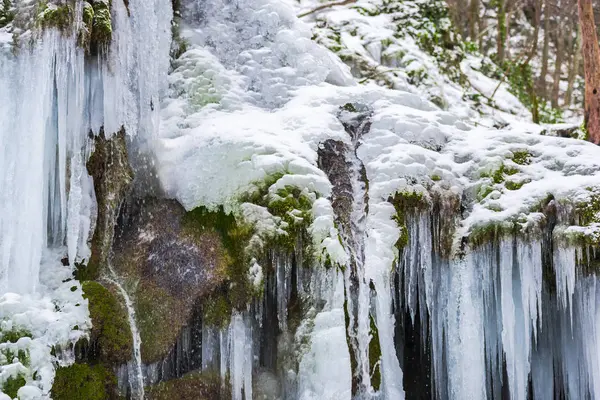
328,5
379,73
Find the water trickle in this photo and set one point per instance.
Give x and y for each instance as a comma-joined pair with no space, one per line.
135,366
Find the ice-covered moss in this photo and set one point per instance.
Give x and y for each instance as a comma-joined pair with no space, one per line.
14,334
55,16
84,382
101,24
12,385
8,355
405,202
111,338
6,13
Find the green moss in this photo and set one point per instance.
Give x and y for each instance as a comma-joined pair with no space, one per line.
374,355
589,211
521,157
111,334
512,185
159,316
349,107
406,202
83,382
490,232
102,24
484,191
21,355
235,238
12,385
60,17
6,13
217,310
193,386
13,335
498,175
436,178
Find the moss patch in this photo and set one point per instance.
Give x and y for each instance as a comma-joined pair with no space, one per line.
521,157
7,356
13,335
83,382
405,202
109,166
235,238
6,13
12,385
194,386
59,17
111,337
159,316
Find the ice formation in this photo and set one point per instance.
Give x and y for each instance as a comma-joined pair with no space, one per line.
55,97
464,242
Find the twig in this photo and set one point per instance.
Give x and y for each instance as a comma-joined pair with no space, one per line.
379,73
328,5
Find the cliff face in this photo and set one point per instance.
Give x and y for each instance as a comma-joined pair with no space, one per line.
204,203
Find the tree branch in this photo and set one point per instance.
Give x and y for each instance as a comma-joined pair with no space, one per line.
328,5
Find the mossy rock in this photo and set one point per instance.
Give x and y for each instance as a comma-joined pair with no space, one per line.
109,166
12,385
404,203
111,339
160,316
194,386
84,382
235,238
59,17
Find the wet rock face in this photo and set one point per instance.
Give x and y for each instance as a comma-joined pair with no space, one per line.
169,267
164,252
109,166
332,161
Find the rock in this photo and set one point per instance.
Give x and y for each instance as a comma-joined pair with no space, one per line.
109,166
169,267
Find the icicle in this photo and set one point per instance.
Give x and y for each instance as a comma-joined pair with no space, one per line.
241,358
564,267
466,359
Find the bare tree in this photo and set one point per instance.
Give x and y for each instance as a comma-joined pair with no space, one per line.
573,69
545,50
501,40
591,62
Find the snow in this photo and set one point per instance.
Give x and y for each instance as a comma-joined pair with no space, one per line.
251,99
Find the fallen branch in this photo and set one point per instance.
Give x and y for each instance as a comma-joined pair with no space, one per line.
328,5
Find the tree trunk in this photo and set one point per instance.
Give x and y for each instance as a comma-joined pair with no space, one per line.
536,28
557,68
473,20
482,25
573,69
591,63
545,49
501,30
